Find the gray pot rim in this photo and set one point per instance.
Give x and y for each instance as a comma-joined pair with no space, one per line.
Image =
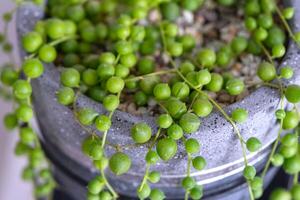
62,132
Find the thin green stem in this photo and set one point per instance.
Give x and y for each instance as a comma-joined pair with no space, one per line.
295,179
227,117
109,187
29,98
6,23
273,150
6,37
186,196
188,173
266,52
53,43
285,24
163,107
250,190
275,145
144,181
296,109
296,176
163,38
75,111
193,60
106,132
272,61
155,138
193,101
6,29
281,106
63,39
189,165
117,59
271,85
30,56
258,84
36,145
5,94
162,72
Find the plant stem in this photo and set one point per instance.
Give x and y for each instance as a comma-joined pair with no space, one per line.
296,109
109,187
281,107
275,143
63,39
216,105
106,132
296,177
273,151
227,117
36,144
117,59
250,191
155,138
53,43
271,85
267,53
6,37
272,61
193,101
188,173
285,24
144,181
163,107
186,196
263,84
163,38
189,165
148,166
151,74
75,110
5,94
145,177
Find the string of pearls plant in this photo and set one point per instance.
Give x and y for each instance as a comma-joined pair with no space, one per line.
109,50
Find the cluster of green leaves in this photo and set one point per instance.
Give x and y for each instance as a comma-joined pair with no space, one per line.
105,52
19,90
106,76
270,38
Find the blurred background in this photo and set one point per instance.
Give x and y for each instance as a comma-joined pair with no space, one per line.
11,185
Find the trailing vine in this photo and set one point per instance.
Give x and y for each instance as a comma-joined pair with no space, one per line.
37,169
110,49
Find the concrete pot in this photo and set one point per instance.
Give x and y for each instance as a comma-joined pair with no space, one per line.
62,135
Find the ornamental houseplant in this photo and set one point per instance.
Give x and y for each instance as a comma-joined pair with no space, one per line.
62,135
